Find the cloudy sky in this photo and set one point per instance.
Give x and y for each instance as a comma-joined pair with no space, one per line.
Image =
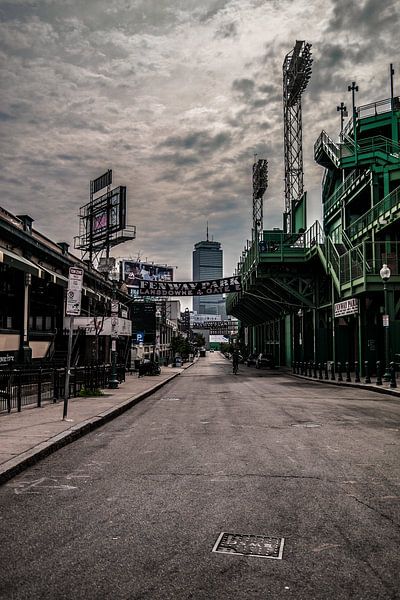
175,96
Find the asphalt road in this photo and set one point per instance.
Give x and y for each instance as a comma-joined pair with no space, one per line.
133,510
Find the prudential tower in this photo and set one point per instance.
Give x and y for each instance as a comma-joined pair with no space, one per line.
208,264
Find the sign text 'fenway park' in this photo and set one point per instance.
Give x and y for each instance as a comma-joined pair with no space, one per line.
190,288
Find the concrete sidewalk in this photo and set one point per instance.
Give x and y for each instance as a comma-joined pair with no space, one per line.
34,433
383,388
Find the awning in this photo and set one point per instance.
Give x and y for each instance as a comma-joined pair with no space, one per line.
19,262
56,277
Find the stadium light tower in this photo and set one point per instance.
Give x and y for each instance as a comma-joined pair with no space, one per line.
296,75
260,184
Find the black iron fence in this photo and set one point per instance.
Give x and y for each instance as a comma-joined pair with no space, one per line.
28,386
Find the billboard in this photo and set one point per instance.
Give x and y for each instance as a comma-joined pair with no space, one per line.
107,214
101,182
134,271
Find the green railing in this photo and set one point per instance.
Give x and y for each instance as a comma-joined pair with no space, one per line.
379,143
326,144
369,219
367,259
342,189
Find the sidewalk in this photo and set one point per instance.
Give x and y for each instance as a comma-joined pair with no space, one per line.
34,433
371,387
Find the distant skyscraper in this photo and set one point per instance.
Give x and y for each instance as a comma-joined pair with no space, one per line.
208,264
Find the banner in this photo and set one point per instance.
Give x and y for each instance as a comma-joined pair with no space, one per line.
190,288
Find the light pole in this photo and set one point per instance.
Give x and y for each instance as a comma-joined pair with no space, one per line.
385,276
353,88
300,314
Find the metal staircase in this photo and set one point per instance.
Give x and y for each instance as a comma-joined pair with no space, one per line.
356,181
326,151
378,217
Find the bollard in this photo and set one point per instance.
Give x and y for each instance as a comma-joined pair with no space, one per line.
367,377
319,370
39,388
326,370
393,383
55,386
315,370
357,372
348,376
339,371
309,368
19,391
378,373
333,371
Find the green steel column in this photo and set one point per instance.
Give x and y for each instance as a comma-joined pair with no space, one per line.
360,353
333,323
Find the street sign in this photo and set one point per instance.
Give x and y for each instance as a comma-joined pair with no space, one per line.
114,306
385,319
73,303
74,292
75,278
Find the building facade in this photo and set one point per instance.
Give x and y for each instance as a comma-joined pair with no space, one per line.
321,295
208,264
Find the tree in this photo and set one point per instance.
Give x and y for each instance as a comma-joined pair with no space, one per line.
199,340
180,345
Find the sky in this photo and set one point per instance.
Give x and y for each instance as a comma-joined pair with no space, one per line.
176,97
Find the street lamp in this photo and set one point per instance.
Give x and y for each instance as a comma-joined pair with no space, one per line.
300,314
385,276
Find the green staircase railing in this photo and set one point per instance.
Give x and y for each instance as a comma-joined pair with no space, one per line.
354,180
386,208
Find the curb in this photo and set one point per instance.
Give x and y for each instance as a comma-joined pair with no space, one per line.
21,462
359,386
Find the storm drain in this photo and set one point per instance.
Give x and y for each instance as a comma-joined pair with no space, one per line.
249,545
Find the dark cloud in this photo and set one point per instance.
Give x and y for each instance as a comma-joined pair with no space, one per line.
368,16
227,30
200,142
244,86
6,117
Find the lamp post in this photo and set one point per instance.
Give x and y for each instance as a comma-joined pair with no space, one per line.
353,88
300,314
158,334
385,276
113,381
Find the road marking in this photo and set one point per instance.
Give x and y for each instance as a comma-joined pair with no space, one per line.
34,487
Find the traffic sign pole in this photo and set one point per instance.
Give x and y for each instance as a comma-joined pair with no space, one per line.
68,369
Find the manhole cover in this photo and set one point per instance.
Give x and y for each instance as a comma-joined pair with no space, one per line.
249,545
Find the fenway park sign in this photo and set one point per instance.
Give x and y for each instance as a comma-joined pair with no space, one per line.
190,288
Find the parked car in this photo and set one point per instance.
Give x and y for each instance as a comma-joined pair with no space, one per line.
251,360
264,361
